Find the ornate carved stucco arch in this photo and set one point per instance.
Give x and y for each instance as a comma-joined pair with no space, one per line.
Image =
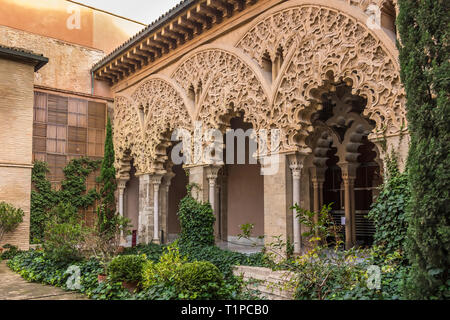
324,46
225,83
144,123
161,107
127,134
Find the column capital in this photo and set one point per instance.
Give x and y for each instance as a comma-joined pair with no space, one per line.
121,184
167,179
212,172
296,161
155,179
348,171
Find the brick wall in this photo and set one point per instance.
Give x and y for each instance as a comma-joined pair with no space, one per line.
16,125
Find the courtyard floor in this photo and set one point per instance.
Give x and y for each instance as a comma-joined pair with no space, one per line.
13,287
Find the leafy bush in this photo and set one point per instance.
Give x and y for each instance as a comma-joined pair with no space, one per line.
127,268
153,251
37,266
197,222
64,234
199,280
10,253
163,272
222,259
389,211
10,218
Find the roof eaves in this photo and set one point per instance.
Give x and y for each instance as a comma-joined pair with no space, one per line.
143,33
23,55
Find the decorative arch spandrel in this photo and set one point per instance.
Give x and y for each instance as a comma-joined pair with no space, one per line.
162,108
328,47
228,85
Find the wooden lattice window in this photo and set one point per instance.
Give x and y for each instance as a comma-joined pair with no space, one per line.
40,107
78,113
77,140
56,164
96,138
57,110
56,139
97,115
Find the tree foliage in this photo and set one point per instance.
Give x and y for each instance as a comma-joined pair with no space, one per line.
424,27
107,179
10,218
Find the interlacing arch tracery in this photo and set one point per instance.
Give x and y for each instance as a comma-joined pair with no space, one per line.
320,48
127,134
161,109
323,48
224,85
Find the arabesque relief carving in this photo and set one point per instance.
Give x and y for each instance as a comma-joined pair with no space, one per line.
224,85
320,49
324,48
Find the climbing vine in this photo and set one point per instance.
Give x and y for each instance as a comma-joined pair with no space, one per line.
73,191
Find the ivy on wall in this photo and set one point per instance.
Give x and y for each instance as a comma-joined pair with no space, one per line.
73,191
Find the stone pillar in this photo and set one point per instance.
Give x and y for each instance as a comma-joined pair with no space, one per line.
121,187
156,182
296,166
348,177
277,199
144,207
197,176
166,182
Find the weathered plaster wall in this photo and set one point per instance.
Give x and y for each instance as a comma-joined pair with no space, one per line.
69,65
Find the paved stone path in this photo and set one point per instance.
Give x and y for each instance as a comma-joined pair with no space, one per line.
14,287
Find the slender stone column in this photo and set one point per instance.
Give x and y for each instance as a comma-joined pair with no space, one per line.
348,177
296,166
121,187
156,182
212,173
318,179
166,182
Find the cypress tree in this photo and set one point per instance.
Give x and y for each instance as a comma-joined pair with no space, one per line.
107,179
425,71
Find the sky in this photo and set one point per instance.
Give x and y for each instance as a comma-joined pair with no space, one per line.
145,11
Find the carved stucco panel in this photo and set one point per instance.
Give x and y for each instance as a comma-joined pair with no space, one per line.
326,47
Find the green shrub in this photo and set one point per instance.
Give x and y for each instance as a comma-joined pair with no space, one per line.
199,280
64,234
10,218
222,259
197,222
153,251
389,211
10,253
127,268
163,272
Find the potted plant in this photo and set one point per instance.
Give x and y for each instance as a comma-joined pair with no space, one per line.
128,270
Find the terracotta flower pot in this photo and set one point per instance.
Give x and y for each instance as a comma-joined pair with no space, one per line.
101,278
130,286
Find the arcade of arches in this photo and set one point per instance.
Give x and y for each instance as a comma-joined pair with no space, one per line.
313,70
